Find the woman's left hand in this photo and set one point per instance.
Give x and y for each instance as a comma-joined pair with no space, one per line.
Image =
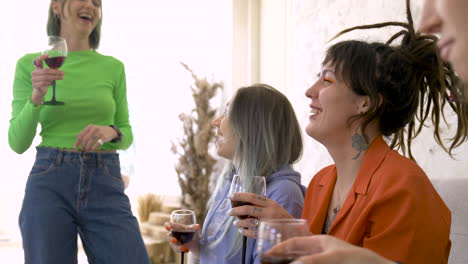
93,136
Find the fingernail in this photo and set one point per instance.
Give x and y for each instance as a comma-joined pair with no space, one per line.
241,230
235,222
229,212
168,228
174,241
231,195
296,262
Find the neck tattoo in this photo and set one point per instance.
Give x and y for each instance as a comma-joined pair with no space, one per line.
360,143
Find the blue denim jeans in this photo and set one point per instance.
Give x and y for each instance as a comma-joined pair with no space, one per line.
71,193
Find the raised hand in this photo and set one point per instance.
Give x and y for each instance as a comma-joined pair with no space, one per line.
177,245
41,79
261,208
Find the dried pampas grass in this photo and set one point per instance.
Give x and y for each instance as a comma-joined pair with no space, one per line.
195,165
148,203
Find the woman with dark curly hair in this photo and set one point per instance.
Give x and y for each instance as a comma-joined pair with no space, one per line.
372,196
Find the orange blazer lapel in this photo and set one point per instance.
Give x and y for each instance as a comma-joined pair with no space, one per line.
319,207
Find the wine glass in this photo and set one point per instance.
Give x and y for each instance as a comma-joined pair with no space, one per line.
275,231
252,184
56,53
180,220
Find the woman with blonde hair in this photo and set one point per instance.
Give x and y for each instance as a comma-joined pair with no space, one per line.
75,185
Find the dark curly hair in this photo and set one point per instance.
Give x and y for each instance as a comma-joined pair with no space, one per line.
406,83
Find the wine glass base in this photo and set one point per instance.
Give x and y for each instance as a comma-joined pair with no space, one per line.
54,103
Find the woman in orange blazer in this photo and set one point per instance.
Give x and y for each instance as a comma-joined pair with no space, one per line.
372,196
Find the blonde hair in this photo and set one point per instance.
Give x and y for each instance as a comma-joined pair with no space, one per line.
54,26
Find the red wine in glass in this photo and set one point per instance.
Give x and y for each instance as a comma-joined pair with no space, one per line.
239,203
181,221
56,52
183,237
55,62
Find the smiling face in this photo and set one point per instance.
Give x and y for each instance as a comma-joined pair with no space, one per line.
225,145
77,17
332,105
448,17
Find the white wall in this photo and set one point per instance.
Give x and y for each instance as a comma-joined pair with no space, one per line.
294,37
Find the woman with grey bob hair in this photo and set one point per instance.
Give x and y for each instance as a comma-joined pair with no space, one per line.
259,134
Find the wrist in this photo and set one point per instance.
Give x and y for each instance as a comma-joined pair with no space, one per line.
37,98
37,101
119,136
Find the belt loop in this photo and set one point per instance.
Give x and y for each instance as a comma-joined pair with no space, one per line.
59,158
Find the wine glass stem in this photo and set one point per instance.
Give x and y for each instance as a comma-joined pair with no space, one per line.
181,257
244,248
53,91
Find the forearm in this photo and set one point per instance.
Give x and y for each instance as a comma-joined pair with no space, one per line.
122,117
23,127
374,258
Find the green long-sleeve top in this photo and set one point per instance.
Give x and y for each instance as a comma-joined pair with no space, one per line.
94,91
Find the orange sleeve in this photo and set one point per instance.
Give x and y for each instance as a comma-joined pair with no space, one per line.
400,219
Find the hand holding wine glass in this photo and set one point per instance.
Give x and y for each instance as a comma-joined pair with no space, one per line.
250,184
56,53
273,232
327,249
258,207
175,244
181,220
41,80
